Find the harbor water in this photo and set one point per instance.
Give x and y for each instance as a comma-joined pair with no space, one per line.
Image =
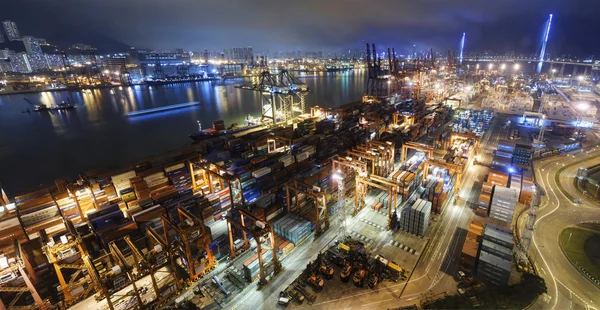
36,148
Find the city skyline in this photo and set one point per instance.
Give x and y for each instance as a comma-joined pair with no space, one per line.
513,25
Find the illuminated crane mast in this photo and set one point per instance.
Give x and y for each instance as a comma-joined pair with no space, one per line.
544,41
460,56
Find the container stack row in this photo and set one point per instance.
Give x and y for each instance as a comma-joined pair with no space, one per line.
526,188
415,219
503,204
252,267
470,250
293,228
407,182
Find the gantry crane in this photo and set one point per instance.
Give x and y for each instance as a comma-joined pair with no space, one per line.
466,136
110,274
120,260
273,141
282,95
68,255
378,182
428,149
192,242
319,200
342,167
211,171
17,268
261,232
385,152
379,154
158,255
405,117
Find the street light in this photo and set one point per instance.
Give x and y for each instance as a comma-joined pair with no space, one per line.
503,66
490,66
516,67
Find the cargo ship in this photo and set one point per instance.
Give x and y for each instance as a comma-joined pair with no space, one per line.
339,68
162,109
186,79
218,129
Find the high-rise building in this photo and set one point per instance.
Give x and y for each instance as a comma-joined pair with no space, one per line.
20,63
240,54
32,45
36,58
11,30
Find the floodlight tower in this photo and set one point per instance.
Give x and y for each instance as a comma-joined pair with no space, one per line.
339,177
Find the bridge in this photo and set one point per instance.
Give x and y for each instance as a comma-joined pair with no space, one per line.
540,60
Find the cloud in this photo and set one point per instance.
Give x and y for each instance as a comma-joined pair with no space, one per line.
308,24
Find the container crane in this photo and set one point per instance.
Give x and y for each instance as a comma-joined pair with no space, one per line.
17,267
68,255
261,232
282,95
376,81
415,146
157,257
320,203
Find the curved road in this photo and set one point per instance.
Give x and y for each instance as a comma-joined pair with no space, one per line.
567,288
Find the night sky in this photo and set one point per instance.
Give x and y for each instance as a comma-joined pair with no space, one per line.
327,25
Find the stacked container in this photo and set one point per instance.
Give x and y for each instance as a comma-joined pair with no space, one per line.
526,188
415,219
503,204
469,253
293,228
180,178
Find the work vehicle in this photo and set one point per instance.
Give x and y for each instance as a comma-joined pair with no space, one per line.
326,270
315,281
359,277
345,274
295,295
284,299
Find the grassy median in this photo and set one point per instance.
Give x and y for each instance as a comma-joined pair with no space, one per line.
582,247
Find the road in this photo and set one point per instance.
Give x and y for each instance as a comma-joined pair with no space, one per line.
567,288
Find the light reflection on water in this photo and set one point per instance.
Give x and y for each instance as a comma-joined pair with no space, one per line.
37,148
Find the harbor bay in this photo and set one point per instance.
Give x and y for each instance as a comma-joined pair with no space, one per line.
98,134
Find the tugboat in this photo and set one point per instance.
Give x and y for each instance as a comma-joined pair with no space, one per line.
63,106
